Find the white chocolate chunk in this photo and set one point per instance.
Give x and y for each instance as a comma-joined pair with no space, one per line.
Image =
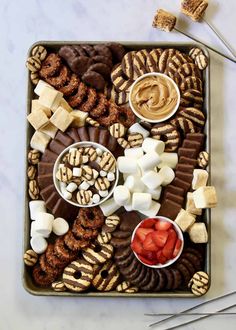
43,225
77,171
38,244
65,105
141,201
109,207
50,98
38,119
148,161
134,184
36,106
122,195
168,159
152,179
205,197
184,219
40,87
153,145
60,226
78,118
71,187
190,205
134,152
198,233
200,178
49,130
126,164
39,141
137,128
61,119
36,207
167,174
153,210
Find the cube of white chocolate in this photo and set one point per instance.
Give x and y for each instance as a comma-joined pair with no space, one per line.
39,141
190,205
37,119
49,129
184,219
79,118
61,119
50,98
205,197
200,178
40,87
198,233
35,106
65,105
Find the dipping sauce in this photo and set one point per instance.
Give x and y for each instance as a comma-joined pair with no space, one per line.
154,97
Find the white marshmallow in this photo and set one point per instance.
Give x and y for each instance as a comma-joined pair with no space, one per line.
36,207
84,186
71,187
72,149
185,220
156,193
99,151
128,207
67,195
77,171
152,179
111,176
103,193
91,182
153,210
168,159
137,128
200,178
43,225
103,173
121,195
40,87
153,145
167,174
141,201
148,161
126,164
98,160
96,198
32,229
134,184
60,226
38,244
62,187
109,207
134,152
95,174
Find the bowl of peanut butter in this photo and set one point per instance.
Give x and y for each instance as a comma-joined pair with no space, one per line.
154,97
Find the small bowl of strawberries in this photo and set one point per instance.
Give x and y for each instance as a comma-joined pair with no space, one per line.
157,242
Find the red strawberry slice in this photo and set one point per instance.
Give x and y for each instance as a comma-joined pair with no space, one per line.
160,237
170,244
163,225
149,244
161,259
142,233
137,246
150,255
148,223
177,247
147,261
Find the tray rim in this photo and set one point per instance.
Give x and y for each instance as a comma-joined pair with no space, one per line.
26,227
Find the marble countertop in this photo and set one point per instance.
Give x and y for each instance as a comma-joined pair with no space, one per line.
21,24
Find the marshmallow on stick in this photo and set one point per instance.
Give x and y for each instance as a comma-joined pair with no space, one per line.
195,9
164,21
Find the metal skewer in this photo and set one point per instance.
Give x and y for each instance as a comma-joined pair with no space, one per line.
211,48
190,314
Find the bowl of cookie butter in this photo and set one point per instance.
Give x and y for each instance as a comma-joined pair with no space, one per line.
85,174
154,97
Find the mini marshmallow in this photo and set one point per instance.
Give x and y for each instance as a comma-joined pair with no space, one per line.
198,233
99,151
148,161
134,152
205,197
38,244
36,207
141,201
134,184
137,128
111,176
71,187
98,159
95,174
60,226
77,171
168,159
126,164
67,195
84,185
43,225
40,87
153,145
62,186
121,195
190,205
156,193
103,173
96,198
109,207
185,219
152,179
152,211
39,141
91,182
200,178
167,174
103,193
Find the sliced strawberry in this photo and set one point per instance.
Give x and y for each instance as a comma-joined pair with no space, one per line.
148,223
137,246
170,244
149,244
142,233
160,237
150,255
163,225
160,258
147,261
177,247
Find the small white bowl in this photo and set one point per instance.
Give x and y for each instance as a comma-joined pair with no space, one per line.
155,74
179,234
59,160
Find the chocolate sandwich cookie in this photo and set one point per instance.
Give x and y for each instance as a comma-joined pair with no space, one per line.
106,277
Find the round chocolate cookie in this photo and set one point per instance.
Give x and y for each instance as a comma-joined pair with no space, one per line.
94,79
162,280
122,254
169,278
177,278
117,50
125,262
80,64
101,68
120,234
121,242
154,278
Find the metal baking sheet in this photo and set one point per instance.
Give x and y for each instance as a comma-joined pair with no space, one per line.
26,272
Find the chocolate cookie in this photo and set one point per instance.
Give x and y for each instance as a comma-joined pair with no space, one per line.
103,50
80,64
94,79
169,278
101,68
117,50
129,220
120,242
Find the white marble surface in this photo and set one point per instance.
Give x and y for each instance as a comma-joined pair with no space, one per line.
21,24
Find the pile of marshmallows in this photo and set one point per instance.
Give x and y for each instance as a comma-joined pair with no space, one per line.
42,225
145,170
